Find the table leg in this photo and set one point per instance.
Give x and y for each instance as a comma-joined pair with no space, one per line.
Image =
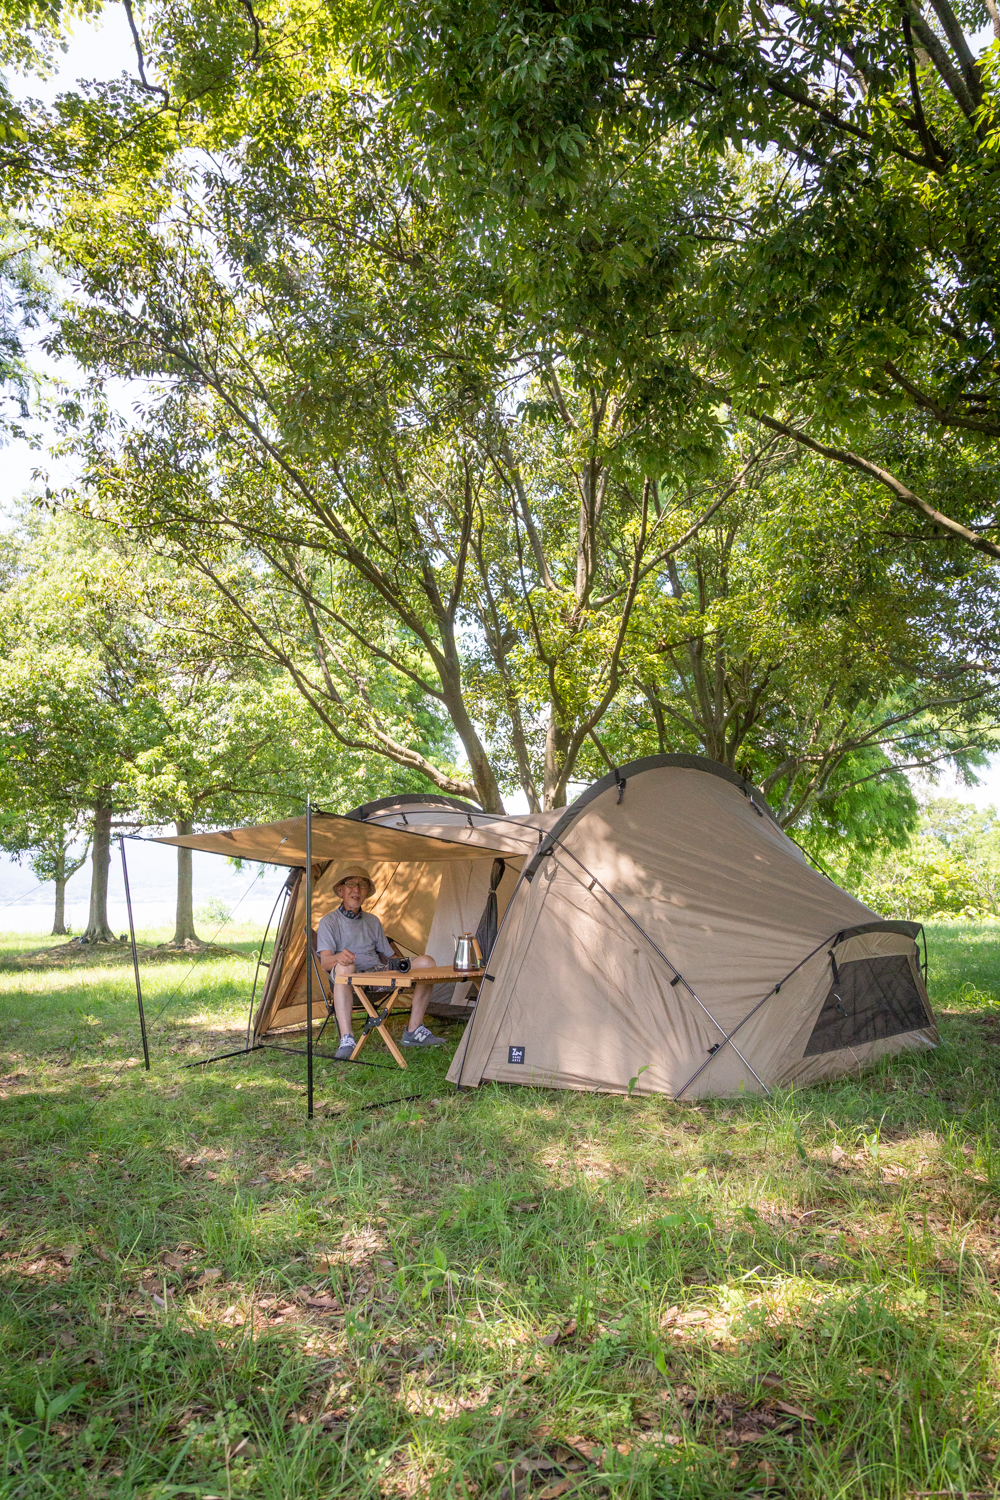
380,1026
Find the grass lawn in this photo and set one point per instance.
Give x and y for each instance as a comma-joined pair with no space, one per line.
509,1292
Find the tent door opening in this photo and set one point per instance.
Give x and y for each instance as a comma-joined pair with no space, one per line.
870,999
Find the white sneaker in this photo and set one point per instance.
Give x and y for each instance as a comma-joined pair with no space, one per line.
347,1046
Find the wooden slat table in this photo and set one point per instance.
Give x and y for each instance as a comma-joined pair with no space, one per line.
398,984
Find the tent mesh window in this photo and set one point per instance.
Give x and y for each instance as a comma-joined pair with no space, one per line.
870,998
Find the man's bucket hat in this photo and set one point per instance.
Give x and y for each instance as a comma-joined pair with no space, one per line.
356,872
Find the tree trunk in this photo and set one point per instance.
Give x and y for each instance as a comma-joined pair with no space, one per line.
98,930
59,919
487,786
184,933
556,745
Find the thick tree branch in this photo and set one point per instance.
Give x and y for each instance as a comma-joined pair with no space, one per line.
952,28
150,88
893,485
945,415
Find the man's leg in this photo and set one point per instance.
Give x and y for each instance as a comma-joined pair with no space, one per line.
418,1008
343,998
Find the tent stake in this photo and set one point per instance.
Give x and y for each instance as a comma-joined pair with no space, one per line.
135,954
309,967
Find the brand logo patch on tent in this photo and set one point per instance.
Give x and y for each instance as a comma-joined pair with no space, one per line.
515,1054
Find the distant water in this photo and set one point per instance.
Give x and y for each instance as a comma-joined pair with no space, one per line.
248,894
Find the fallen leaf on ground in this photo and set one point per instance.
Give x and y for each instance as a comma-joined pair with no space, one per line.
567,1331
586,1449
540,1465
837,1154
552,1490
773,1382
794,1411
323,1304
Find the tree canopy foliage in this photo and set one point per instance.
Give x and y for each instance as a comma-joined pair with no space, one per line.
847,266
949,867
520,389
120,708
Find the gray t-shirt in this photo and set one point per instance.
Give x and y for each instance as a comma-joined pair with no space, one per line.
362,934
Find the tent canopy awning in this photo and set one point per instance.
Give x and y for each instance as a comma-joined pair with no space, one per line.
450,836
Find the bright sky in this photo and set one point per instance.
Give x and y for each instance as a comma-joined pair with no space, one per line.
98,51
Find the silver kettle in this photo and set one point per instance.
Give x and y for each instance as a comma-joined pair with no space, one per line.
468,954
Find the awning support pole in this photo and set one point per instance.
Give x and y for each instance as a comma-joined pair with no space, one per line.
135,954
309,967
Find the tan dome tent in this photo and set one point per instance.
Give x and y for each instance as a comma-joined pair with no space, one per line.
666,930
661,929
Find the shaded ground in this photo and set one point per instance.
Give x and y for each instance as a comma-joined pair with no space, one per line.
510,1292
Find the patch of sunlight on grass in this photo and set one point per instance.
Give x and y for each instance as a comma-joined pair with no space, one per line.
510,1289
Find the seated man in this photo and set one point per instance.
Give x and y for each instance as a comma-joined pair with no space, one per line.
352,941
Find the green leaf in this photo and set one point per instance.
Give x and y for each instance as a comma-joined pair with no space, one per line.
63,1401
633,1081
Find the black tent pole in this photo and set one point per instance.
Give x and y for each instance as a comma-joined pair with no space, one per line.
309,967
135,953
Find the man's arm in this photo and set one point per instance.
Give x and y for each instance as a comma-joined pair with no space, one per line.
329,960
